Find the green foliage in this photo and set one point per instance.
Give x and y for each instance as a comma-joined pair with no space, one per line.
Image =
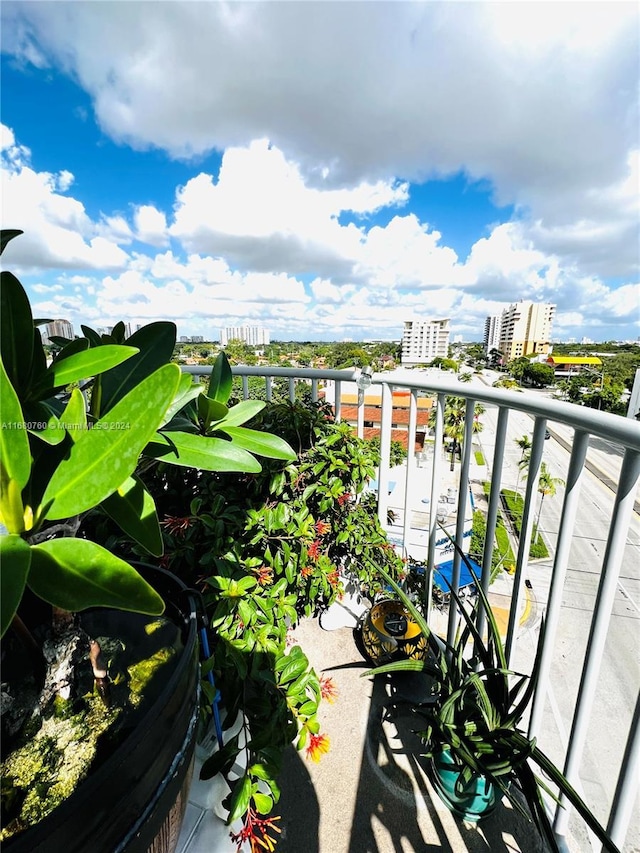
502,556
445,364
515,504
397,454
539,375
455,411
477,712
268,549
70,454
518,366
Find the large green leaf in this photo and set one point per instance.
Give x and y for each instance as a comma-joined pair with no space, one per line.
241,413
16,331
39,359
72,347
221,380
198,451
187,391
240,799
92,336
81,365
74,416
75,574
155,343
134,511
210,411
262,443
15,557
43,422
14,442
102,459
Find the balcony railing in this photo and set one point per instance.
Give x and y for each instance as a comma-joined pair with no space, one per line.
590,604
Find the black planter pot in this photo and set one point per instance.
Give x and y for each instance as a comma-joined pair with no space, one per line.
135,801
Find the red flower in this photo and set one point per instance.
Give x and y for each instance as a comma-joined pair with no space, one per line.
264,575
328,689
306,571
314,549
256,831
318,745
333,578
344,498
177,525
322,527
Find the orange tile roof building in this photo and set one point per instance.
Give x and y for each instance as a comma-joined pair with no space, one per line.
399,417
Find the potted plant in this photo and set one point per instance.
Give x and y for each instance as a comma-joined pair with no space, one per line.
470,722
76,435
266,550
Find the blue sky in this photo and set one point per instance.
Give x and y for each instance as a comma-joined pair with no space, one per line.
327,170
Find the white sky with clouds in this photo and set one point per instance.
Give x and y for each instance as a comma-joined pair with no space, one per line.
327,109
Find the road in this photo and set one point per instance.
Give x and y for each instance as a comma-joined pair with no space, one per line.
620,666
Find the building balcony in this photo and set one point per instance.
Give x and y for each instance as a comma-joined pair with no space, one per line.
586,706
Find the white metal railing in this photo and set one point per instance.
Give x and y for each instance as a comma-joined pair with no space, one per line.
584,423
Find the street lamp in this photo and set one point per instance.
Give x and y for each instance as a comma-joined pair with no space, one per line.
363,382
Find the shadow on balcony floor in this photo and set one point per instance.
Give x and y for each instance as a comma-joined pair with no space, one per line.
370,793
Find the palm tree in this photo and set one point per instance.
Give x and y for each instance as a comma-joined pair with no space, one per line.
547,485
454,415
524,443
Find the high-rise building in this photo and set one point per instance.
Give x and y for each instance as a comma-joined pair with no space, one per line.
57,329
424,340
525,329
492,333
254,336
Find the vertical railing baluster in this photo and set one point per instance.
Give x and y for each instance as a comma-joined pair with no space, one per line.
411,465
463,500
526,529
436,475
494,503
611,564
385,450
337,405
560,564
625,797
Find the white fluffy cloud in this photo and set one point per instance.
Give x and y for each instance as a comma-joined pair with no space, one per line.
58,231
323,113
261,214
368,280
151,225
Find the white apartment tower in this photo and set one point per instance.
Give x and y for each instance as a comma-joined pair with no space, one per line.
254,336
424,340
57,329
525,329
492,333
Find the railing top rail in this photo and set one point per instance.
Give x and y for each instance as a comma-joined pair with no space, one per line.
349,375
613,428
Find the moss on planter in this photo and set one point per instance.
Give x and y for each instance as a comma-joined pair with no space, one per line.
141,673
47,768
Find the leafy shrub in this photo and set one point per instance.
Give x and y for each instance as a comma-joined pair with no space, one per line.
266,549
397,453
515,505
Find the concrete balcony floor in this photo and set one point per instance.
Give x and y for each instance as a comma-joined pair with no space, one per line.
370,793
